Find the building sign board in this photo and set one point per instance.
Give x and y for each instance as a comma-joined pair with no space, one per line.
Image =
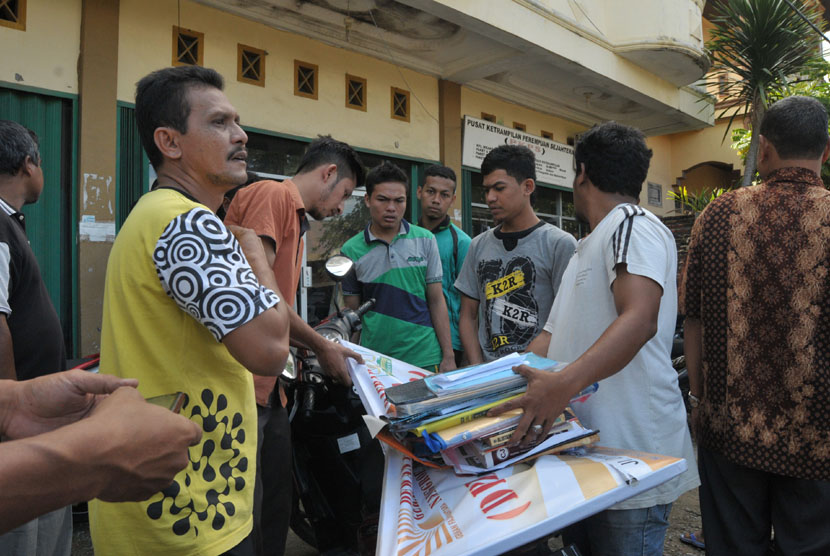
554,161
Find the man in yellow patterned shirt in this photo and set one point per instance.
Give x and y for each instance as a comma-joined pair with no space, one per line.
190,306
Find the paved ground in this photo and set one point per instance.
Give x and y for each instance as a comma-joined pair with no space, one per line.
685,516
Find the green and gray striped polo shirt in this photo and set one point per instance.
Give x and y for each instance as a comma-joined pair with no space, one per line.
396,274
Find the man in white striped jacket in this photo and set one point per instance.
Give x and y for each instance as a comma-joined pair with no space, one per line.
614,319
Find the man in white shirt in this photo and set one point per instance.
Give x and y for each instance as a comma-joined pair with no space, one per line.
614,318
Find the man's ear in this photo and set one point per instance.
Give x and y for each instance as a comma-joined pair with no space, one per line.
328,172
529,186
29,166
581,175
765,149
826,152
167,142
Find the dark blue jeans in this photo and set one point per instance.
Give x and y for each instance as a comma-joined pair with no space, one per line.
621,532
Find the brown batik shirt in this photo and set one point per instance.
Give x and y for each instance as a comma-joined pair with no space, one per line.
758,278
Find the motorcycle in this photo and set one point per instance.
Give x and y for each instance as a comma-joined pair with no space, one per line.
337,466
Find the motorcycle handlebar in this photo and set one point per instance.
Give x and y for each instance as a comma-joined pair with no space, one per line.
365,307
309,401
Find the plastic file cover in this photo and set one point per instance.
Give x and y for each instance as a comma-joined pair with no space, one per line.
436,512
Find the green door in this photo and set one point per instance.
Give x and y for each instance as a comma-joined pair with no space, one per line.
48,222
132,166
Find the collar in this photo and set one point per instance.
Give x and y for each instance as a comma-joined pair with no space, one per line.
182,192
15,214
443,225
369,237
296,198
793,174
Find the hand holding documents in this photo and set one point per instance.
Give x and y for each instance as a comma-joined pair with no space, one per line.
442,419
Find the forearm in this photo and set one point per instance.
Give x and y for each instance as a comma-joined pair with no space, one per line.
540,344
7,368
693,349
468,332
302,334
47,472
441,324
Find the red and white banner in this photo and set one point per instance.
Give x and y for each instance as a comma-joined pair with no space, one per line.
438,513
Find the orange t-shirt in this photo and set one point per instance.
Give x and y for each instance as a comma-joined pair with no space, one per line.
274,210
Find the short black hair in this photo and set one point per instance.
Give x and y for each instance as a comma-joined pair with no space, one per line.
797,127
616,158
438,171
325,150
385,172
16,143
517,161
161,101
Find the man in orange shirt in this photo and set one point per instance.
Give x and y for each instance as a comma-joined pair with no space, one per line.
328,173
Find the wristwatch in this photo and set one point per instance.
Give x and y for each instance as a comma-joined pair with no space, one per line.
694,401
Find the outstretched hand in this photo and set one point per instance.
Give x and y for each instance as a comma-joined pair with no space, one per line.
45,403
548,393
332,358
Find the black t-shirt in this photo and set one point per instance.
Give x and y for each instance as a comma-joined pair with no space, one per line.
35,329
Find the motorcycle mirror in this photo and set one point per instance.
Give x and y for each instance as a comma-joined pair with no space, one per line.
338,266
290,370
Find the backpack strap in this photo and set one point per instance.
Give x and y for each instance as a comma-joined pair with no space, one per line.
454,244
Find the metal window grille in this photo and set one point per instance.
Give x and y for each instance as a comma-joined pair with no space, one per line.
187,47
13,14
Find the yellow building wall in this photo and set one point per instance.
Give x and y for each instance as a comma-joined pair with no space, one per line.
45,55
659,172
473,103
704,145
146,45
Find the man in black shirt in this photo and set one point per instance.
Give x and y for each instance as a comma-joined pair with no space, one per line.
31,340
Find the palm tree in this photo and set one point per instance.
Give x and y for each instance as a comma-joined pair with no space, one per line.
757,46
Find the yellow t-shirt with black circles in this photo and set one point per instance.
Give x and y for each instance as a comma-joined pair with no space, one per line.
177,283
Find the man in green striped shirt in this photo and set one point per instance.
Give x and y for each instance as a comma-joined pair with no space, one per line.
398,264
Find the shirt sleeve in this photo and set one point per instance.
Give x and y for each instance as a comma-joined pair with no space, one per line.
638,244
202,268
435,271
467,282
691,281
563,250
463,247
5,278
350,284
262,207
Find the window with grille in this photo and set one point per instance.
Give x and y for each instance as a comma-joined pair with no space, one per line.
400,104
305,79
655,194
547,135
250,65
355,92
519,126
13,14
188,47
488,117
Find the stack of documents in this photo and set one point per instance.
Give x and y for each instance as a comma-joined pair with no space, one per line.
442,419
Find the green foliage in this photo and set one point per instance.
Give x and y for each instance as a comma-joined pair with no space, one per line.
694,203
336,231
758,49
